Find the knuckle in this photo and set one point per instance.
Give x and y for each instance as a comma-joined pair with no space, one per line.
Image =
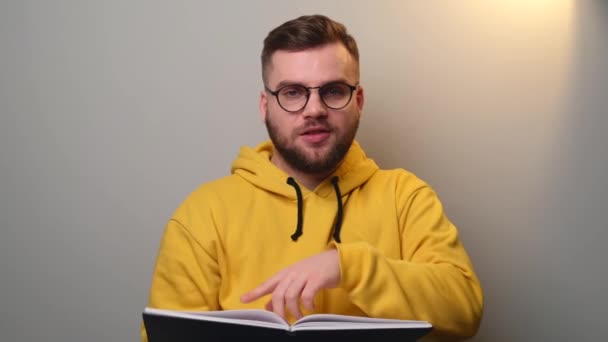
291,295
307,297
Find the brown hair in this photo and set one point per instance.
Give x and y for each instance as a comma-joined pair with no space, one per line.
305,32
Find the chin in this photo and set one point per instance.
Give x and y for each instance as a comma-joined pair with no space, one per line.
318,151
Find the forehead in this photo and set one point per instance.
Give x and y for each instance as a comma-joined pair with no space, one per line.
312,66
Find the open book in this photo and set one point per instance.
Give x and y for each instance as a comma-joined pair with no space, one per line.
180,326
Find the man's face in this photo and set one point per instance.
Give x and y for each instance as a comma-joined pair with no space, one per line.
315,139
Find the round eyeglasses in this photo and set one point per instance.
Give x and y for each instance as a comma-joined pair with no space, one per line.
294,97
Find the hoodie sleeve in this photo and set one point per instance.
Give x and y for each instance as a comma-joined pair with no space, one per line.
433,281
186,275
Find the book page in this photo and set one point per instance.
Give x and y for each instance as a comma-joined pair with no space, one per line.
254,317
336,322
246,314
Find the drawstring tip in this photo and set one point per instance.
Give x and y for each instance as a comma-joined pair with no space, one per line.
337,238
295,236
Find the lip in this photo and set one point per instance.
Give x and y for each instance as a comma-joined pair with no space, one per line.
315,135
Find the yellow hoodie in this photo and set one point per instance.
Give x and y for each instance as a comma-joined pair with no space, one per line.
400,256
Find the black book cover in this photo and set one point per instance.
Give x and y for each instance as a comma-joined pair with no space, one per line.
175,329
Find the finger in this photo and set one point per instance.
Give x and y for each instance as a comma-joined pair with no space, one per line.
264,289
278,297
292,297
309,292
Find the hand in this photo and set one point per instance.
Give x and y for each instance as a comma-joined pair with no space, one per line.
300,281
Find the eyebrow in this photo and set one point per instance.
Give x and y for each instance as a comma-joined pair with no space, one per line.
291,83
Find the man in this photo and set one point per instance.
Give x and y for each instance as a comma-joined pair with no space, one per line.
306,222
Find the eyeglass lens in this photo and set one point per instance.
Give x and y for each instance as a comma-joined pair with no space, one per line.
334,95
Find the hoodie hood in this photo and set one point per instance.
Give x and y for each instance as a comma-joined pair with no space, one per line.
253,164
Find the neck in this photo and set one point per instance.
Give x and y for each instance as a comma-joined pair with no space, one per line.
309,180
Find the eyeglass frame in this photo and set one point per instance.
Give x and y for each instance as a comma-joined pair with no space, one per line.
308,92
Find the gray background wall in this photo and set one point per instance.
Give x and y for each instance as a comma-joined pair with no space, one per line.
112,111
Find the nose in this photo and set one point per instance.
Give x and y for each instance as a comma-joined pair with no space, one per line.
315,106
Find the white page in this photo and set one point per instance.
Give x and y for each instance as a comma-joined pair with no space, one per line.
336,322
251,317
245,314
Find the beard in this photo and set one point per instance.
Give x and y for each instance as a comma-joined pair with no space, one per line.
320,162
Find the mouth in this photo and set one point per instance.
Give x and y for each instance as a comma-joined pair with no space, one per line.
312,131
316,135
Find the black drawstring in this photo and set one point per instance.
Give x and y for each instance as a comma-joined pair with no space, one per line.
298,231
334,181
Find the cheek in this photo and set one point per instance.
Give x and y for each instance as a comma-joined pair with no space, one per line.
283,124
345,120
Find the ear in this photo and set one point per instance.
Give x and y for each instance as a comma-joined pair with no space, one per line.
360,98
263,105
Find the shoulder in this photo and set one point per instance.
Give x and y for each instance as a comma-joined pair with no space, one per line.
219,187
406,187
401,179
412,194
210,196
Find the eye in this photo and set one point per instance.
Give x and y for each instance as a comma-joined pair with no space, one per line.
292,92
335,90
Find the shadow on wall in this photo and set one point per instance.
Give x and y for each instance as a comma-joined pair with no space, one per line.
509,126
576,188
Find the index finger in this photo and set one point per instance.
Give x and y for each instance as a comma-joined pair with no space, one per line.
267,287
